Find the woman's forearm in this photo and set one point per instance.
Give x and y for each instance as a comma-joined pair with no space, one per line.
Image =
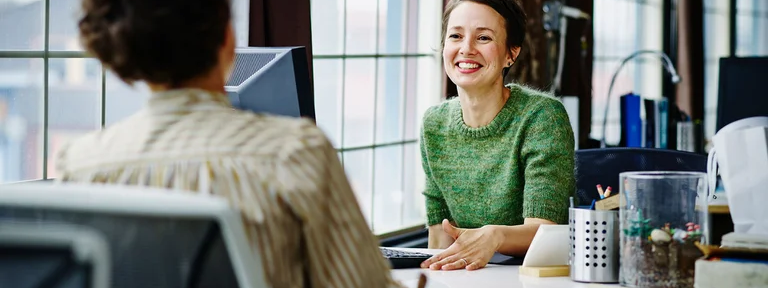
515,240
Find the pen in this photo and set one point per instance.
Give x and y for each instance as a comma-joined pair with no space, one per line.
593,202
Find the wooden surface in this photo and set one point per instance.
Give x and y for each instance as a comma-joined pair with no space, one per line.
554,271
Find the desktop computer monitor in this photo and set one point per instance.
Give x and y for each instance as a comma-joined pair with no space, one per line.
742,89
271,80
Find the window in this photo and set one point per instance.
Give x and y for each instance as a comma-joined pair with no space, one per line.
751,40
716,38
622,27
376,68
50,91
751,26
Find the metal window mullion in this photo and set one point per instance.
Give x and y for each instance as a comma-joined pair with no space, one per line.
374,146
46,37
342,92
358,56
104,97
403,113
42,54
374,130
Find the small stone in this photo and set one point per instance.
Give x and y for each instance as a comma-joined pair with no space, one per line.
660,236
680,235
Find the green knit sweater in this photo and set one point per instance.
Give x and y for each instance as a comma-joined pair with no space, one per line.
518,166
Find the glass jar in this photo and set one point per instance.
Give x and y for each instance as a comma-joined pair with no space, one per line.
660,222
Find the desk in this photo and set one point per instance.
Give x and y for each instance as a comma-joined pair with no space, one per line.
490,276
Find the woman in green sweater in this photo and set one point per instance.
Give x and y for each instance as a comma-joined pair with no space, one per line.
499,160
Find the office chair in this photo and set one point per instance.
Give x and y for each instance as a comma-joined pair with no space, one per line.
155,237
603,166
52,255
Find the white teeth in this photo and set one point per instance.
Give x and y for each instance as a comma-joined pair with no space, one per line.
465,65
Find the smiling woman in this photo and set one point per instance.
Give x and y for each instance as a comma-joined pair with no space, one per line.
498,159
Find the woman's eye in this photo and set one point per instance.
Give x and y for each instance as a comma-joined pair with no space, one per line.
484,38
454,36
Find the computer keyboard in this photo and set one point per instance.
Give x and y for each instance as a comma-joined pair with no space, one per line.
400,259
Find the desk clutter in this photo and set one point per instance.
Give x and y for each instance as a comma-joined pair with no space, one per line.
731,266
652,233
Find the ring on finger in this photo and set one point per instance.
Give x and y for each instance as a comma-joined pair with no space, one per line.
465,263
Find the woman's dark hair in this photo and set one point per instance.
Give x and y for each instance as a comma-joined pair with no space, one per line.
159,41
510,10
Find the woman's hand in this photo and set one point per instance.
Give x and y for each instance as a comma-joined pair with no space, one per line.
472,248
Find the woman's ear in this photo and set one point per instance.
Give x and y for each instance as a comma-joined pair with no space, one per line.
513,55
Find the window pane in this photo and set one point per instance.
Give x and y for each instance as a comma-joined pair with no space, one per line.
711,72
751,6
752,35
327,21
241,22
414,183
716,35
327,82
360,27
720,5
428,19
122,100
624,82
392,26
388,189
390,99
26,18
74,103
64,16
622,27
358,167
21,121
358,129
615,28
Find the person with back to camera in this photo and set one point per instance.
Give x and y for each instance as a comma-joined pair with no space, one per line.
498,159
281,173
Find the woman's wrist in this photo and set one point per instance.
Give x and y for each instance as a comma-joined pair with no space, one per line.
498,235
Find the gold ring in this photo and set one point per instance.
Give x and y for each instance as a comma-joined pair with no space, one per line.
465,263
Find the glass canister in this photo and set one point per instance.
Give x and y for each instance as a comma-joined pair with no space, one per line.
661,220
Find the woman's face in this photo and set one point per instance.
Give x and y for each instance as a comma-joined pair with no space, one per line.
475,50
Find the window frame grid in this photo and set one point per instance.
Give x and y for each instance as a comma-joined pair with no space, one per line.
46,54
405,141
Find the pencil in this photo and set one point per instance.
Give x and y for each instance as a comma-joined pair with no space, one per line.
600,190
608,192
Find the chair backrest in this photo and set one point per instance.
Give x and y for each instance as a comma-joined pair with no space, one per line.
603,166
52,255
156,237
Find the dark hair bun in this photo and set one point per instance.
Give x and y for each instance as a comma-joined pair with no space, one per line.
159,41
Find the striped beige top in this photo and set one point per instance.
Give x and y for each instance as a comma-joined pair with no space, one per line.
282,173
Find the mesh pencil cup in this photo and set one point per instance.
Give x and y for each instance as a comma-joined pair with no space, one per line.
594,248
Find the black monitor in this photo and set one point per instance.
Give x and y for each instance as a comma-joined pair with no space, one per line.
742,89
271,80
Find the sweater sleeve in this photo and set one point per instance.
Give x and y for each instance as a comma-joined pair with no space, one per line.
548,154
435,205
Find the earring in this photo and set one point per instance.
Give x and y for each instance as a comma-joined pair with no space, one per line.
510,64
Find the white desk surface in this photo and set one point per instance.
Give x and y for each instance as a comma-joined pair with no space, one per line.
489,276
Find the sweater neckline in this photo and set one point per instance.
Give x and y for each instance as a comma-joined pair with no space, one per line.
501,120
